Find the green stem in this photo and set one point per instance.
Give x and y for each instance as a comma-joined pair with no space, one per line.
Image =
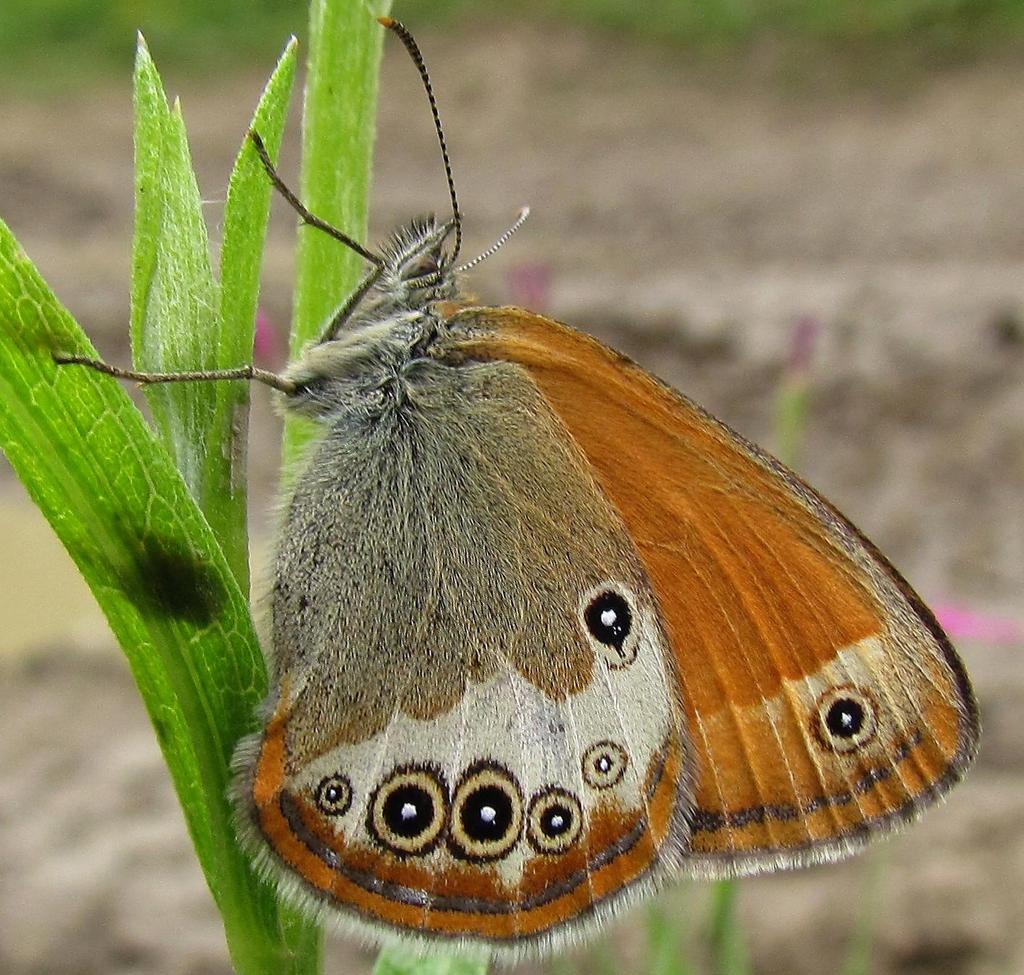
862,939
728,950
338,129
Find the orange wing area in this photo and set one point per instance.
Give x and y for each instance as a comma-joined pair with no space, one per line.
448,898
771,601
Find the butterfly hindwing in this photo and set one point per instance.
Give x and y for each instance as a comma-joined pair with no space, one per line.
476,732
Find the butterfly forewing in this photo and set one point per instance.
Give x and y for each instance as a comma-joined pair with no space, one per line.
823,700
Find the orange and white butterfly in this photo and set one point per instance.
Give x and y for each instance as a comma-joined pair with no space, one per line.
546,635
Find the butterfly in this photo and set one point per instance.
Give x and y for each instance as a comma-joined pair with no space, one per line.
546,635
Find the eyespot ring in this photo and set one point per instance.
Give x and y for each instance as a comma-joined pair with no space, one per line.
487,813
608,617
333,795
604,764
408,810
554,821
845,718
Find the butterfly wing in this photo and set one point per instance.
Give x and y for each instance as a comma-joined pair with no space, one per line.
824,702
475,733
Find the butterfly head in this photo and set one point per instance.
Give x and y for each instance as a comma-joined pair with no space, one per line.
417,268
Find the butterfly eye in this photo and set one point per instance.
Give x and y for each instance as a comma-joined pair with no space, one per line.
407,812
487,813
608,618
555,821
427,264
334,795
604,764
846,718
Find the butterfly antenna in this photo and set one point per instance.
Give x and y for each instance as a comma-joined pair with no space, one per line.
398,28
500,242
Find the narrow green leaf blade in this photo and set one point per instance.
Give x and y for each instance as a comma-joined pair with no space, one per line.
175,325
246,213
114,498
247,210
151,115
245,225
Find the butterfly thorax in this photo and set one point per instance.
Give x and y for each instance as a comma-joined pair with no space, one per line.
362,366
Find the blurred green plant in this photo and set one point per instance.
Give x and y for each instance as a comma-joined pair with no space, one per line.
668,949
394,961
90,36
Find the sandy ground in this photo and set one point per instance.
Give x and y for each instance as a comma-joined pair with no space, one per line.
691,216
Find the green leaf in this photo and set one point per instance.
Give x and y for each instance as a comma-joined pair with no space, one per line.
247,209
393,961
115,499
246,213
245,226
338,128
174,320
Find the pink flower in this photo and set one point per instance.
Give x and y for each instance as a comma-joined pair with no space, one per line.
964,623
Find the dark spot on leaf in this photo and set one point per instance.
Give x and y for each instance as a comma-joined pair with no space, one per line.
162,729
170,580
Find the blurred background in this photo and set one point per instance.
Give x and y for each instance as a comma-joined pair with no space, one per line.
805,208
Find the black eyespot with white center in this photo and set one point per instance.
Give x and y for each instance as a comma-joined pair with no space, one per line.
554,821
487,813
408,810
608,617
333,795
846,718
604,764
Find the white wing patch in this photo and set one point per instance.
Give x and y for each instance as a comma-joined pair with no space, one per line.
508,749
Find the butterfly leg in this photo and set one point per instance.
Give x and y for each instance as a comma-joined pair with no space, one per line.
248,373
